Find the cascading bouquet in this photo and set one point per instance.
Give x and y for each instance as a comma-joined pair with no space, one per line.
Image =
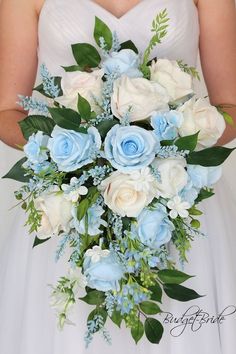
118,157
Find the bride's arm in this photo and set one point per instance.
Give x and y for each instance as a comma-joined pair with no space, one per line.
18,63
218,55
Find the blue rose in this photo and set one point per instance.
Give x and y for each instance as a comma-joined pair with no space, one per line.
154,228
125,61
166,124
94,214
72,150
35,149
204,176
130,147
102,270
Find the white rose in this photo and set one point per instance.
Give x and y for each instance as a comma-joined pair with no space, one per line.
56,213
199,115
168,74
138,94
173,176
129,194
88,85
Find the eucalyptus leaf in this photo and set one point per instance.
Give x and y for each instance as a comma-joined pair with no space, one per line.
102,30
116,318
153,330
39,241
149,307
66,118
187,142
17,172
33,124
84,108
173,276
137,331
82,209
86,55
129,45
180,293
94,297
213,156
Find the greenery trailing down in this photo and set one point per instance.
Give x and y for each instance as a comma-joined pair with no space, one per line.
191,70
180,293
159,27
153,330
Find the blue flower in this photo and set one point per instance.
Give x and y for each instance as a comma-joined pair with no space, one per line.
130,148
204,176
102,270
189,193
35,149
72,150
154,228
94,221
125,61
166,124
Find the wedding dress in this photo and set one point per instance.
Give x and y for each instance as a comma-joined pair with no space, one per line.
27,323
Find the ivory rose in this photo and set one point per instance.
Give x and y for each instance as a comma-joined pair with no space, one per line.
199,115
168,74
56,213
139,96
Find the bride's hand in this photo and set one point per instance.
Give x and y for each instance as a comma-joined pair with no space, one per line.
18,63
218,55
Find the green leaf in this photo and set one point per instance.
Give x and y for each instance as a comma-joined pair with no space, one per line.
204,194
137,331
66,118
116,318
149,307
194,211
156,292
84,108
17,172
187,142
98,312
105,126
129,45
72,68
39,241
180,293
92,195
57,81
102,30
195,224
86,55
35,123
213,156
228,118
82,209
94,297
173,276
153,330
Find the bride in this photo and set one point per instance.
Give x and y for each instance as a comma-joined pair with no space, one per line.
37,31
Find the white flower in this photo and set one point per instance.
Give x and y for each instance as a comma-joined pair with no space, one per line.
178,207
74,194
173,175
168,74
128,194
139,95
55,211
199,115
88,85
96,253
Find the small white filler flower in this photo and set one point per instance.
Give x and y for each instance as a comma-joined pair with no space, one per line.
178,207
96,253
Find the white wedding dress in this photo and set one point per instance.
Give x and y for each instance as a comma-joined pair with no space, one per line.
27,323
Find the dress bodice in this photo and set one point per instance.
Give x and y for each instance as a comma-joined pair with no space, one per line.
63,22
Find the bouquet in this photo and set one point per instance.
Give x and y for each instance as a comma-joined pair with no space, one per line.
118,157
